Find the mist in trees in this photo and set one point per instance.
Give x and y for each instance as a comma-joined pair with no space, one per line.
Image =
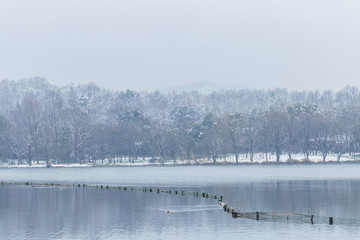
43,122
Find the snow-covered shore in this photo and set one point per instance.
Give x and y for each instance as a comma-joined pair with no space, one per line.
259,158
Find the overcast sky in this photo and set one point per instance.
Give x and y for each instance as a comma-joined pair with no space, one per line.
156,44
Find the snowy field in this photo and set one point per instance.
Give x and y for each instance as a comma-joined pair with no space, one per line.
259,158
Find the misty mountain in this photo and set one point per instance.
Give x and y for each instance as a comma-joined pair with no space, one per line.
204,87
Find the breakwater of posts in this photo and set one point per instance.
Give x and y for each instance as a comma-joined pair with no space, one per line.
289,217
256,216
121,188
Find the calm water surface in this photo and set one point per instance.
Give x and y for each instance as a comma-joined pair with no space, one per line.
88,213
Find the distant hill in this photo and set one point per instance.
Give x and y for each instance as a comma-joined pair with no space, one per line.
204,87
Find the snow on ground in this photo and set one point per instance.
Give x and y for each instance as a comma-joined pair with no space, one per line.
259,158
43,165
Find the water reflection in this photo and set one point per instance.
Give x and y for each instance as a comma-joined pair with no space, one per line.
77,213
48,213
322,198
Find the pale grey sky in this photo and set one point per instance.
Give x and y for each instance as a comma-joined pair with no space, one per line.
155,44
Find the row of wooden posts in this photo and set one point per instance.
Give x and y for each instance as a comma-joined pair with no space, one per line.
234,214
256,215
125,188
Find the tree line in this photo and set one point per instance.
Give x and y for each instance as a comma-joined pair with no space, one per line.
77,124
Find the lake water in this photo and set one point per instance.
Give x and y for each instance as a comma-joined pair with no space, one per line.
88,213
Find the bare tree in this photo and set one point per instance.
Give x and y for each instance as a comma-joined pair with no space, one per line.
28,117
235,128
251,131
305,113
277,122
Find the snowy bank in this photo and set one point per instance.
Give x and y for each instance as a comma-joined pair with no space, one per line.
259,158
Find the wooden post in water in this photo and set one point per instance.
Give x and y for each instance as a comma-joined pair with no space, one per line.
234,214
287,218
